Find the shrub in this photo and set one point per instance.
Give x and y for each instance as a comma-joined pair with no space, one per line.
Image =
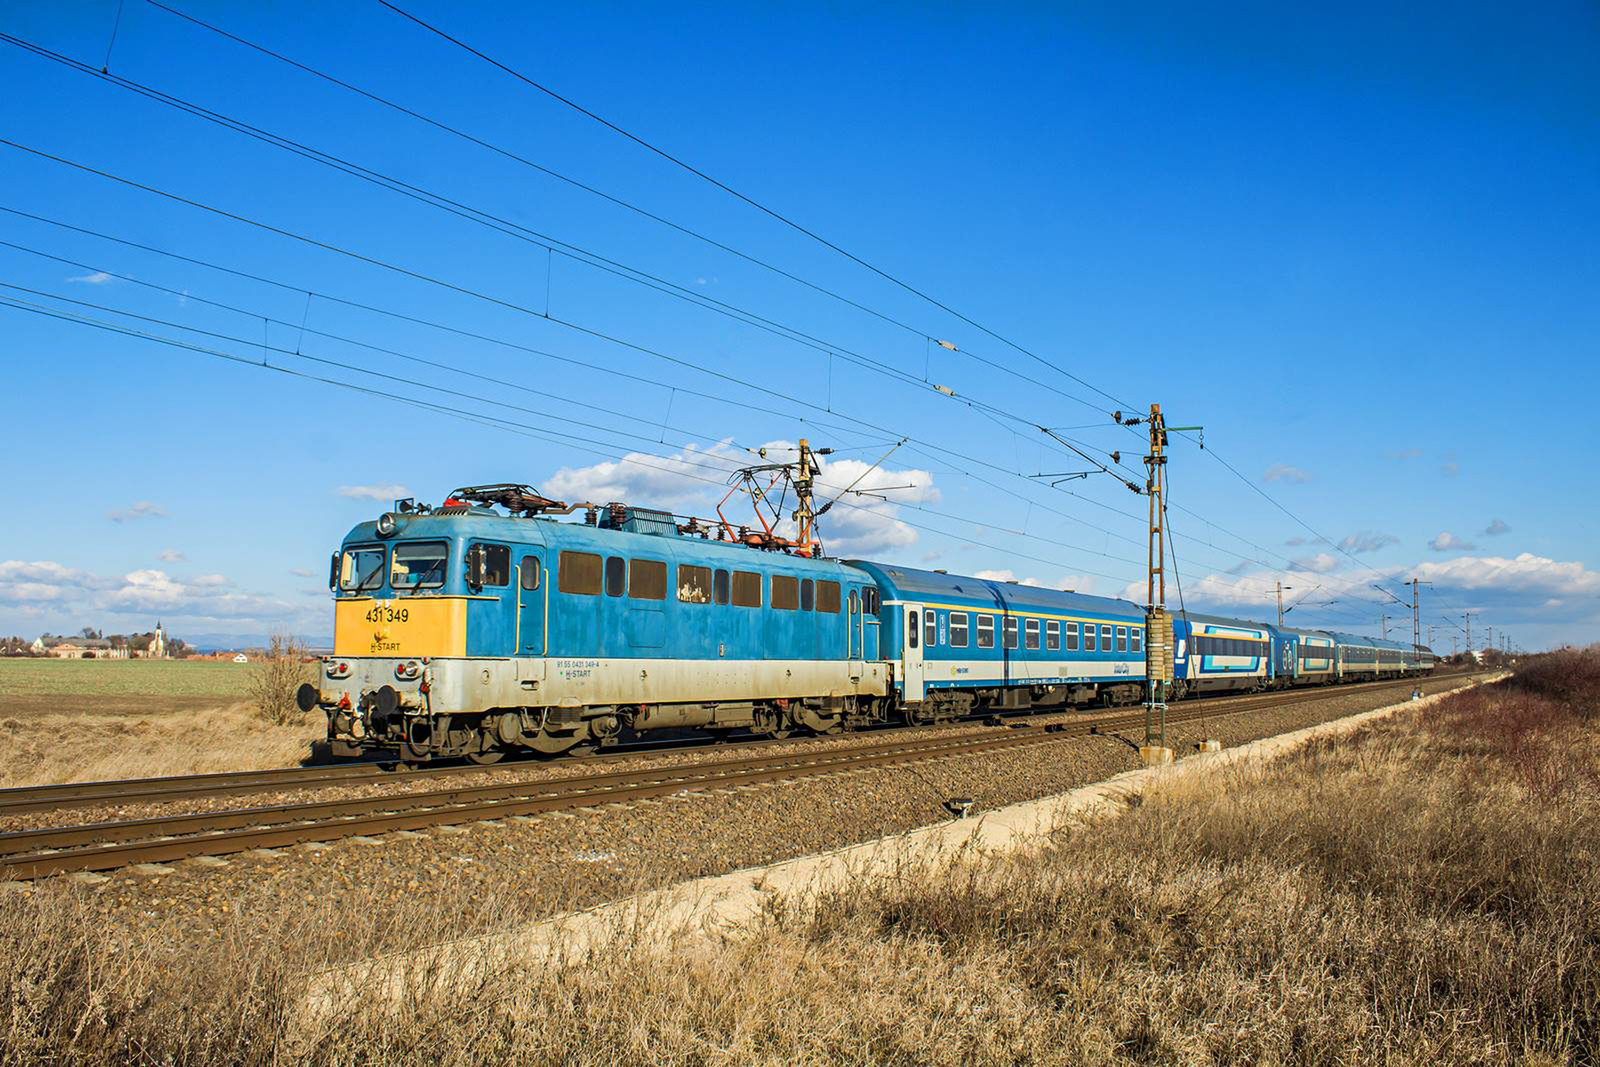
277,676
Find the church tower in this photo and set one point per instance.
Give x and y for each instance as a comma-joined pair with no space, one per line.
158,643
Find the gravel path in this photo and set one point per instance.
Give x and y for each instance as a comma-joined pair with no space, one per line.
489,875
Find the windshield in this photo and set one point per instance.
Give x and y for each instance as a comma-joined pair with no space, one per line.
361,568
418,565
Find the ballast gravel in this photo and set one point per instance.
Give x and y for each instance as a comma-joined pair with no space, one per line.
479,877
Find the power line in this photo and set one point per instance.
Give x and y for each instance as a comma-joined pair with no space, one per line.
787,221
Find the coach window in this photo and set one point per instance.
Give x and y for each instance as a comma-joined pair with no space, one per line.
808,595
616,576
1088,637
930,629
579,572
647,579
1135,639
828,598
785,592
911,630
694,584
1052,636
720,587
746,589
1105,639
1010,625
1122,639
1030,633
958,629
1072,637
985,631
362,568
528,572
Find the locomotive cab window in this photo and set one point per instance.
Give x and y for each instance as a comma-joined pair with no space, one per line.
869,601
785,592
418,565
985,631
361,568
647,579
528,572
616,576
828,597
1030,633
958,629
579,572
694,584
488,565
746,589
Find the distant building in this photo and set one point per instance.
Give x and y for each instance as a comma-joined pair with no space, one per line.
241,658
158,644
82,648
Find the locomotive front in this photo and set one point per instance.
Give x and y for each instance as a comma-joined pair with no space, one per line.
414,599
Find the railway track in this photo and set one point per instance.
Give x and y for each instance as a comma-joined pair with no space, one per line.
28,799
31,854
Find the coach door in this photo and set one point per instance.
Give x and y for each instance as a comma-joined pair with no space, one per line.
856,636
911,651
532,594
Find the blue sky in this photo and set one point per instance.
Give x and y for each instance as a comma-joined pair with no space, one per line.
1359,247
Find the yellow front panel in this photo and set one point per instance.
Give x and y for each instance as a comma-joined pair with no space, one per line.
403,626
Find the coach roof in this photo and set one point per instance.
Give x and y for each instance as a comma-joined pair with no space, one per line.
910,583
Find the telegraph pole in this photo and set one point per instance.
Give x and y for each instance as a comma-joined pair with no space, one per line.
1383,622
1416,613
1281,590
1467,618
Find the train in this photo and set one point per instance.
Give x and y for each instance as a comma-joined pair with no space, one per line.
497,623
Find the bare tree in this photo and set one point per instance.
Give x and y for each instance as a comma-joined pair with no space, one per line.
281,671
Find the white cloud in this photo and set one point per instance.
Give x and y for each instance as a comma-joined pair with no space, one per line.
384,493
47,585
1075,583
1523,574
142,509
1283,472
1496,528
1449,542
686,479
171,555
99,277
1321,563
1367,541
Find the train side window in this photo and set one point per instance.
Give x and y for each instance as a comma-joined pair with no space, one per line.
930,629
985,631
1030,633
496,563
869,601
854,603
1105,639
616,575
1010,625
958,629
1122,639
647,579
785,592
1072,637
528,572
828,598
720,587
1088,637
1135,639
808,595
1052,636
746,589
579,572
911,631
694,584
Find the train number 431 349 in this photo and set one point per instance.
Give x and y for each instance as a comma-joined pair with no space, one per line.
384,613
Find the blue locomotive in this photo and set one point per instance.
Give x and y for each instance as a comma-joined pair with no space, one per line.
488,625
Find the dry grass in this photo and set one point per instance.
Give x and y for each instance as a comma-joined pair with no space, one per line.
1422,894
78,720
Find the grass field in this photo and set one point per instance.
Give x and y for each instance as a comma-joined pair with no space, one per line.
1422,893
75,720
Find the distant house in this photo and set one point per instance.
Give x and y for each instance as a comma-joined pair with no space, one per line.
241,658
82,648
